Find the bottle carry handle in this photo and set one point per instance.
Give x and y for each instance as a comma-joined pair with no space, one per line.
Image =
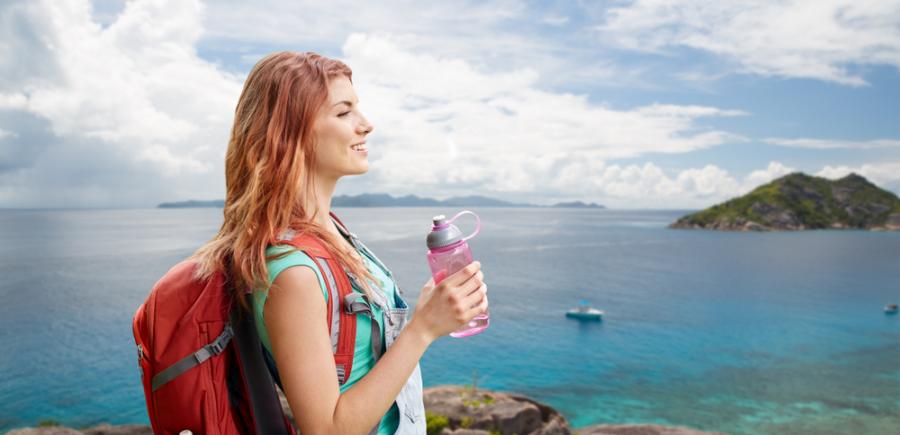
477,223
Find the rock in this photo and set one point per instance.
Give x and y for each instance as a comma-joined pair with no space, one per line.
892,223
103,429
556,426
49,430
640,429
464,432
487,411
753,226
127,429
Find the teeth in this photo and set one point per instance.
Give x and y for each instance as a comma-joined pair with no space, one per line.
358,147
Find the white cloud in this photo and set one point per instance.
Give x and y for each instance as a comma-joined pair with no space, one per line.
834,144
885,175
819,39
498,34
464,125
648,185
762,176
135,89
4,133
12,101
426,25
555,20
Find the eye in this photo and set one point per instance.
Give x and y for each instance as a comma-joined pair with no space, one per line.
342,114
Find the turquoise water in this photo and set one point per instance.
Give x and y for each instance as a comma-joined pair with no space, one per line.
742,333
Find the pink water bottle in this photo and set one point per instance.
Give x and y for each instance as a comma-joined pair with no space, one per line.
448,252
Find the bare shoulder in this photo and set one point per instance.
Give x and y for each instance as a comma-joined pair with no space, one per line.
295,296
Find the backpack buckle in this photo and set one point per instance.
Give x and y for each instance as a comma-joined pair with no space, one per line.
216,347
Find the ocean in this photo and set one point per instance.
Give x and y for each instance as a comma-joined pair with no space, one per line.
743,333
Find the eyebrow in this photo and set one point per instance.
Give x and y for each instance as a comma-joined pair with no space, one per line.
343,102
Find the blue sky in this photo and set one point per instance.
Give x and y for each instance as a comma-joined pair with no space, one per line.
632,104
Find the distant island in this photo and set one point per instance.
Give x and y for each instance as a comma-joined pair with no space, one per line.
385,200
802,202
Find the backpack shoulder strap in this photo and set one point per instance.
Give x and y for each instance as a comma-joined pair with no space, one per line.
341,322
265,405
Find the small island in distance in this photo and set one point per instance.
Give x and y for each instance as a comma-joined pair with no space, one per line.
802,202
385,200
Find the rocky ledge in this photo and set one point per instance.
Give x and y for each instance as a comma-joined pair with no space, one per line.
103,429
453,410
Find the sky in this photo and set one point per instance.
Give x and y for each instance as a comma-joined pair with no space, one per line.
631,104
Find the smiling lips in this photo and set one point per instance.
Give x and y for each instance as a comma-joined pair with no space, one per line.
360,147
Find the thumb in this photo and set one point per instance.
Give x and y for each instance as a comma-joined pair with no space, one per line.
438,277
428,284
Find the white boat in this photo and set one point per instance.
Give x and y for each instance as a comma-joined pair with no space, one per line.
890,309
584,312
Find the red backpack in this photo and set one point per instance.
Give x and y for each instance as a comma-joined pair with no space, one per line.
202,365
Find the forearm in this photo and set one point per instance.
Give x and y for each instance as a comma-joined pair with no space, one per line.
361,407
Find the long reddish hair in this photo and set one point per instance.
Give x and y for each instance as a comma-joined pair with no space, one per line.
269,169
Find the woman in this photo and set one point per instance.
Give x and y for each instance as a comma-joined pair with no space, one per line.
298,130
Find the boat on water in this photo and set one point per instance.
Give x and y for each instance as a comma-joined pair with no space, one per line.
890,309
585,312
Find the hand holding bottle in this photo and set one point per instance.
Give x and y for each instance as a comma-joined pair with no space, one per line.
453,303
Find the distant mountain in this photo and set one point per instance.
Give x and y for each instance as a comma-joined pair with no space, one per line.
577,204
384,200
802,202
193,204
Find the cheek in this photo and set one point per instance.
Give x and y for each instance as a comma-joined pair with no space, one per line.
336,132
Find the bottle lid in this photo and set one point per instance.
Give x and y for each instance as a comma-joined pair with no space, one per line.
443,233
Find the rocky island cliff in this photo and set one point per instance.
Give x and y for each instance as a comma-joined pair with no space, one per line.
802,202
450,410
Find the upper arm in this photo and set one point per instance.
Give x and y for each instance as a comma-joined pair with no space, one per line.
296,319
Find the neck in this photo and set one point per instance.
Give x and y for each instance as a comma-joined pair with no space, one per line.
322,205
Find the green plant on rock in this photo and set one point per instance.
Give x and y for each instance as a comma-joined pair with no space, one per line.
435,423
48,423
466,422
485,399
471,403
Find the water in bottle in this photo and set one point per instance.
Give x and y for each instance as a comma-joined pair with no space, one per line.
448,252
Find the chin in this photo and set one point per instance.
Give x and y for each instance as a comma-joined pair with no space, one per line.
359,170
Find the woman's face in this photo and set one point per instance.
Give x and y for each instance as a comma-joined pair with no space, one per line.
340,131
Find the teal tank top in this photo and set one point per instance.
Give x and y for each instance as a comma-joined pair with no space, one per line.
363,360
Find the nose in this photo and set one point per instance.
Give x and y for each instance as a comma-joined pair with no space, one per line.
365,127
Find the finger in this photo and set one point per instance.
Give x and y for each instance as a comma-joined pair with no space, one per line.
474,298
463,274
481,308
473,283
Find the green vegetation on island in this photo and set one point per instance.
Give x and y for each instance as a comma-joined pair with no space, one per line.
802,202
